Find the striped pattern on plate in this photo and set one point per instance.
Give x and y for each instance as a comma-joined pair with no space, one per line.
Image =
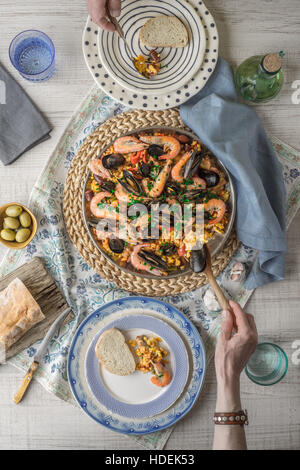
179,64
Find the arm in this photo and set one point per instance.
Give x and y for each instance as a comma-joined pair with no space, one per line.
232,354
97,10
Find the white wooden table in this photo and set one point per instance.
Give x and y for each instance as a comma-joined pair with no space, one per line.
246,28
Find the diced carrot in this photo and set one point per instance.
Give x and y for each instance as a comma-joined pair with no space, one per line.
181,250
135,158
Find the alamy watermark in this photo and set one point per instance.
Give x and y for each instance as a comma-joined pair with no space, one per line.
296,354
296,94
139,222
2,92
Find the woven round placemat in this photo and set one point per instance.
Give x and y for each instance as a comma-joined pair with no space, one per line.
72,208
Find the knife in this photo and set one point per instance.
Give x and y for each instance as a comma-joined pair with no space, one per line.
39,355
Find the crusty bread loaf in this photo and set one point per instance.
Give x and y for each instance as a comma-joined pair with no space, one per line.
18,313
114,354
164,31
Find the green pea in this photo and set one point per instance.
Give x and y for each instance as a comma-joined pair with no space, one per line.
14,211
11,222
25,219
8,235
22,235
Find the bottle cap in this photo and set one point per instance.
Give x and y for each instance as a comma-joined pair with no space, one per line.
272,63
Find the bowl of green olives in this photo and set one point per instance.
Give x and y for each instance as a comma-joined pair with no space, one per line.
18,225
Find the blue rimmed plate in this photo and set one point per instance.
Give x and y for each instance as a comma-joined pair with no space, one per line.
179,64
111,312
134,396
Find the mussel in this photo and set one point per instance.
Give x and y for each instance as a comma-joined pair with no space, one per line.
130,183
211,177
155,150
98,178
113,161
108,185
192,194
193,164
168,249
116,245
198,260
144,169
153,259
93,222
172,189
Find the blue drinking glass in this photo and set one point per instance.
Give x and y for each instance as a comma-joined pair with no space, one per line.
267,365
32,53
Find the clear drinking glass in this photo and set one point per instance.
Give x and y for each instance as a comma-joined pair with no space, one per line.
32,53
267,365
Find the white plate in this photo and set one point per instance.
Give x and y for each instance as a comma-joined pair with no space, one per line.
179,64
135,396
143,100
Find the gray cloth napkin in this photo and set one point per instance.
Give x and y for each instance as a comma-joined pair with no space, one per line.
235,134
21,124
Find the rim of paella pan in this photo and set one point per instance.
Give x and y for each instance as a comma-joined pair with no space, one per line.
222,238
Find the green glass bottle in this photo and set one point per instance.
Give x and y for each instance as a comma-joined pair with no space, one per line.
260,78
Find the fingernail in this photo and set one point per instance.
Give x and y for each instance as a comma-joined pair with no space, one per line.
225,314
115,13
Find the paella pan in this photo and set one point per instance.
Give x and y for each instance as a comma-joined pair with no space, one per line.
150,167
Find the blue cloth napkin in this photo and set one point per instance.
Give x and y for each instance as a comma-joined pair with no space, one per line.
235,134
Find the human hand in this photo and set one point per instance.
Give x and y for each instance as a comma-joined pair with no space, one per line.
232,354
97,10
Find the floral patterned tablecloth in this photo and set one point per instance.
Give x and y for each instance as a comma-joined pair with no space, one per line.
84,290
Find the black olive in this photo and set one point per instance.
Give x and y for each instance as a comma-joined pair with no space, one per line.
116,245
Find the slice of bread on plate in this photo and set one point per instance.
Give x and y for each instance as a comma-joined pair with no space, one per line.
164,31
114,354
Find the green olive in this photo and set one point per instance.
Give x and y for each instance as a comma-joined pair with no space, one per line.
25,219
8,235
11,222
22,235
14,211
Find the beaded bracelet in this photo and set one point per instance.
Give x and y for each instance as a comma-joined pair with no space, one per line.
238,417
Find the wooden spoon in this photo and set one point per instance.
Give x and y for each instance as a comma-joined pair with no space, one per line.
207,270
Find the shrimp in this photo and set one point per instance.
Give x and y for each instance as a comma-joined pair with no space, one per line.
160,182
215,205
165,141
98,169
198,183
162,377
105,212
121,193
129,144
177,173
142,265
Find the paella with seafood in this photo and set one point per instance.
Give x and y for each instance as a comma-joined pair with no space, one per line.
156,168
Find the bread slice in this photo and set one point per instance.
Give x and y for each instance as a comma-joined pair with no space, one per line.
164,31
114,354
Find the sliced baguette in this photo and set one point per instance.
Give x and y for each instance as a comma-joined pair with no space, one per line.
114,354
164,31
